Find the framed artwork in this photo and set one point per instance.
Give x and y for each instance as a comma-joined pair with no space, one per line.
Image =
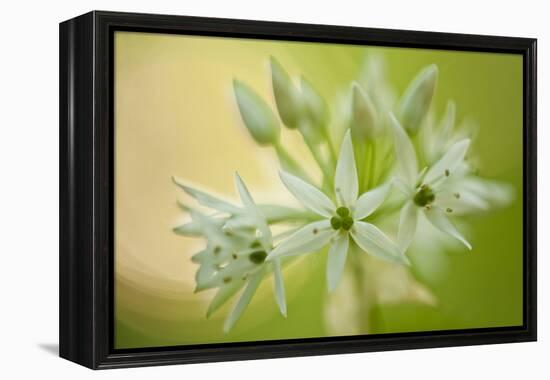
237,189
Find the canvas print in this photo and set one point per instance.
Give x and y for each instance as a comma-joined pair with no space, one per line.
274,190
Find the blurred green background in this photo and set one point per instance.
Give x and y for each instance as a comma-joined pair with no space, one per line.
175,115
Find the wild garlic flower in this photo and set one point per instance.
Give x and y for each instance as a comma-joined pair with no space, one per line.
427,190
476,194
340,221
237,247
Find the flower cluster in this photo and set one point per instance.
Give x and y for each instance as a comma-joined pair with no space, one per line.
379,158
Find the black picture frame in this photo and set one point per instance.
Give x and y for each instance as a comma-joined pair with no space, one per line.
86,189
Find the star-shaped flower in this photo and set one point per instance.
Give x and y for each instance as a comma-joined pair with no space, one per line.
341,221
426,191
237,246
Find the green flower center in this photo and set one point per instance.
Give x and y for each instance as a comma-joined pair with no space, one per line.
424,196
255,244
342,220
257,257
342,211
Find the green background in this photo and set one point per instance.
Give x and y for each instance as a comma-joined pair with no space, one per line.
174,115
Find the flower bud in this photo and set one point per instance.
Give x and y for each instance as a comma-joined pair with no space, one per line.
315,115
256,114
417,99
364,117
314,105
287,97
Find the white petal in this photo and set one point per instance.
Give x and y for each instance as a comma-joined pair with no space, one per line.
223,295
307,239
370,201
250,206
279,286
232,272
233,235
277,213
283,235
246,198
470,200
346,184
239,222
370,239
403,187
497,193
208,224
448,163
427,137
200,256
404,151
461,201
188,229
447,124
437,217
407,225
207,199
204,275
310,196
337,260
243,302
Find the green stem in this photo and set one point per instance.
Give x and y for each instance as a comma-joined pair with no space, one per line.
285,214
361,154
387,163
363,299
372,165
288,163
330,145
359,162
327,175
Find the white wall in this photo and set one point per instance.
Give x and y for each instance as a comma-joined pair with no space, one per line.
29,191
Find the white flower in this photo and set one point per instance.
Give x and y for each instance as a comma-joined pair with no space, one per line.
475,194
427,191
339,221
237,247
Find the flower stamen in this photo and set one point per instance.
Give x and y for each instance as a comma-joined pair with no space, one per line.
342,211
347,223
342,220
336,222
424,196
257,257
